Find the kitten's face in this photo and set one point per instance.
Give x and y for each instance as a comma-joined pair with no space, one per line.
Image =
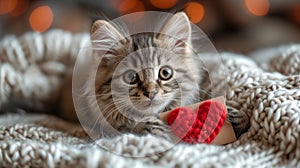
149,73
148,79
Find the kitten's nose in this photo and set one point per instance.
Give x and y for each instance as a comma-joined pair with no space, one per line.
149,90
150,95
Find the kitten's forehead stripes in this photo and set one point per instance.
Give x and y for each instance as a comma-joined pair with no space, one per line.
143,40
148,75
146,50
141,43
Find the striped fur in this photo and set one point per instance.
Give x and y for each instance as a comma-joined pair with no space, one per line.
128,107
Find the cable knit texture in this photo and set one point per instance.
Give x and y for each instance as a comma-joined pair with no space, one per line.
32,69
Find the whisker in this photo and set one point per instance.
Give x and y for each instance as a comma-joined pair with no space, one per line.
108,114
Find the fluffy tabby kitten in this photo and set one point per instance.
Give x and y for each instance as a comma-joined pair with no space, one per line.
145,74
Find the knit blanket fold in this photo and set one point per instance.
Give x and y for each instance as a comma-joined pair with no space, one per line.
268,91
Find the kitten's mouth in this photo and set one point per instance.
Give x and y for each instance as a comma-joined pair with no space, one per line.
152,103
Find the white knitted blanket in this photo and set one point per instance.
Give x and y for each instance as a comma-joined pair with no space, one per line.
31,71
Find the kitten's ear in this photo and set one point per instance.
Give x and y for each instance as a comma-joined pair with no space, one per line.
102,30
104,36
177,28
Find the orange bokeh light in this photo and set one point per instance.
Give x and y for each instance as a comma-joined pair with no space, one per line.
41,18
258,7
20,8
163,4
138,7
7,6
296,14
129,6
126,5
195,11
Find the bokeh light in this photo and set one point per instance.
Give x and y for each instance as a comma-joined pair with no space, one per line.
20,8
7,6
258,7
163,4
296,14
195,11
130,6
127,5
41,18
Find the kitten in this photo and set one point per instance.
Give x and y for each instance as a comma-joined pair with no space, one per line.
145,74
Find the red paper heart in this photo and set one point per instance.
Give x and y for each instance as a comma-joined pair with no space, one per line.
198,127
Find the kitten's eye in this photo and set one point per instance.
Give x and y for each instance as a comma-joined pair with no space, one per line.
165,73
130,77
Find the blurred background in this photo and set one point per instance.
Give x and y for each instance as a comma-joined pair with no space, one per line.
232,25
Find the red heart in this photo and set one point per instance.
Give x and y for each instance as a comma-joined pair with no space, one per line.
198,127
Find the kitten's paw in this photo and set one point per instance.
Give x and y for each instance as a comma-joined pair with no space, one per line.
152,125
239,120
